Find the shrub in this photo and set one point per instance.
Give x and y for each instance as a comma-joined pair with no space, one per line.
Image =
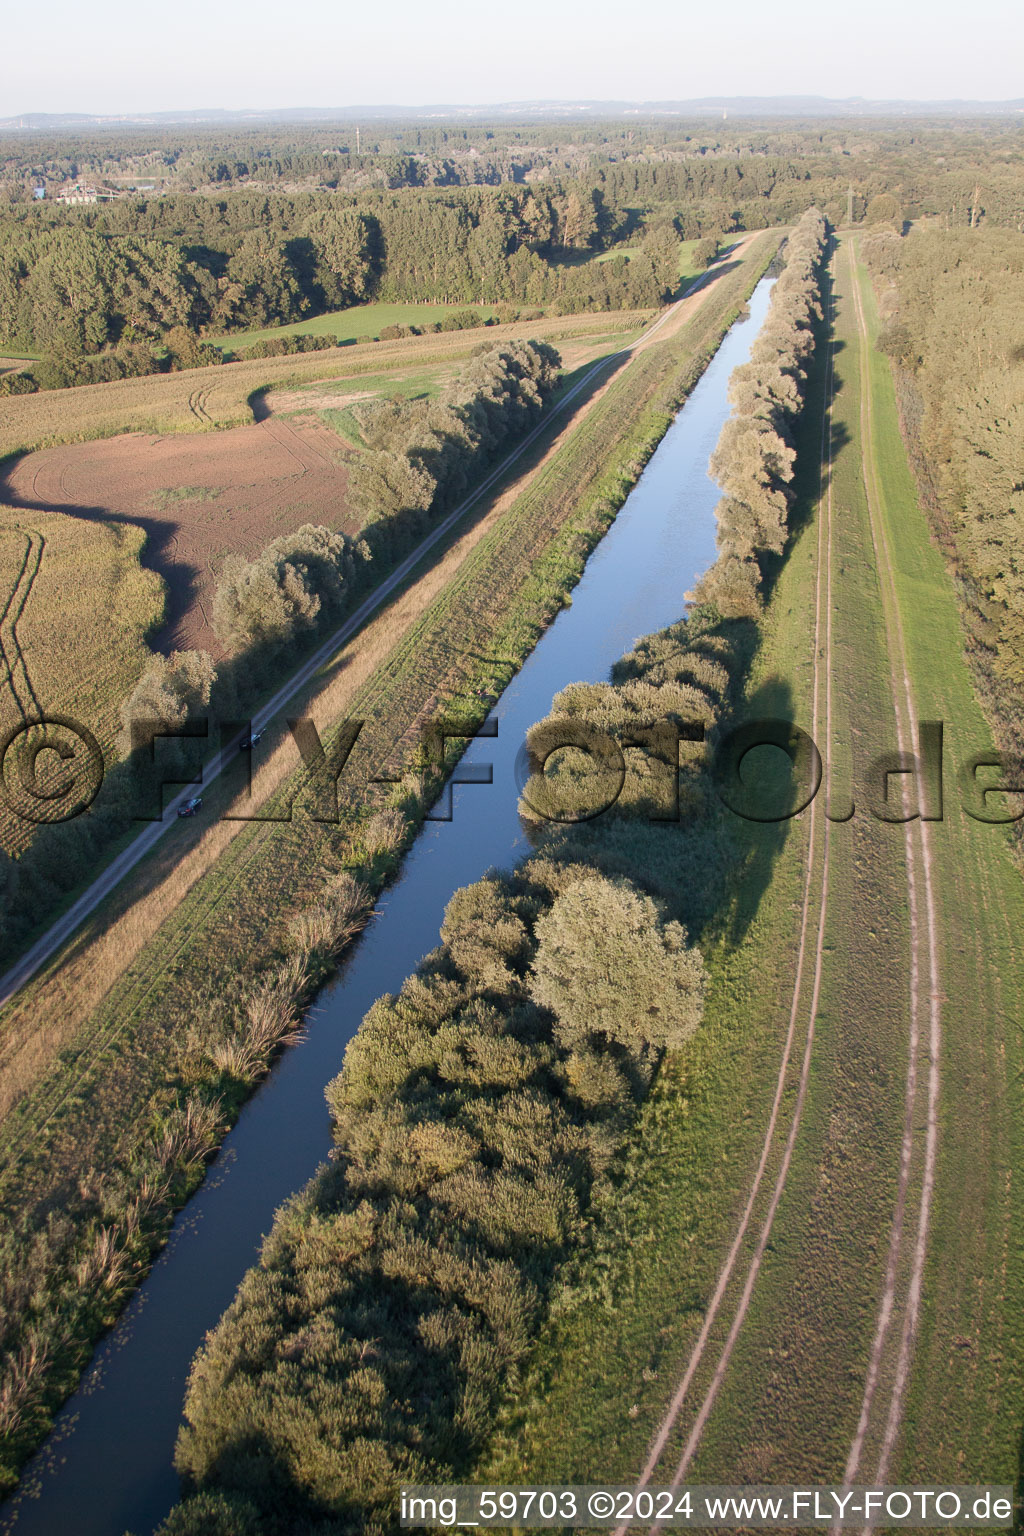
610,968
297,580
172,691
17,384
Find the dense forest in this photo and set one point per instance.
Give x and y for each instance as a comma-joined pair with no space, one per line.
243,230
134,280
481,1111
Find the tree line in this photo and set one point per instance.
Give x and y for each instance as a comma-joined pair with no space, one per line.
478,1118
113,289
754,458
99,289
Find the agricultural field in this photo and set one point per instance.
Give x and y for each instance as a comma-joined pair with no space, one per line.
200,497
76,609
196,498
201,399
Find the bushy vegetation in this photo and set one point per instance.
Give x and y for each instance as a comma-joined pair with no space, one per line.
170,693
423,454
300,582
397,1295
475,1118
753,461
15,383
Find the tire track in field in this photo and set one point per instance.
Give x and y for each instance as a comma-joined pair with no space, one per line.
197,405
278,433
920,888
304,449
821,702
12,658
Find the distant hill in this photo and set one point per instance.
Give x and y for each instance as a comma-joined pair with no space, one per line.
702,106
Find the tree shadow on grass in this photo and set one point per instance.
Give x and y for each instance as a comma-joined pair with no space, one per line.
758,819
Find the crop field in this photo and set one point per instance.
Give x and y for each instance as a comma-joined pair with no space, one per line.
360,323
116,1062
789,1402
201,399
200,497
76,606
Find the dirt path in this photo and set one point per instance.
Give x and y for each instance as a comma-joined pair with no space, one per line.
899,1305
821,711
924,982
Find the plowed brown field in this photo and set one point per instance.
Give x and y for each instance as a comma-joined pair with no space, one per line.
249,484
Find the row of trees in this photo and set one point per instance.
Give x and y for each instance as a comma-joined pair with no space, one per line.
422,454
753,460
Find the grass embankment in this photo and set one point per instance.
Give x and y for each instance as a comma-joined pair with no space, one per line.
200,399
966,1401
790,1404
790,1401
143,1049
75,607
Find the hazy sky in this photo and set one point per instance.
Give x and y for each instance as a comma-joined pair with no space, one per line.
123,55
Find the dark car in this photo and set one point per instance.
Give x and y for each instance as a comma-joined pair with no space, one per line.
247,742
191,806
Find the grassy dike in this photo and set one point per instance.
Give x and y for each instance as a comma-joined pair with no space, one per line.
790,1403
142,1052
966,1401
